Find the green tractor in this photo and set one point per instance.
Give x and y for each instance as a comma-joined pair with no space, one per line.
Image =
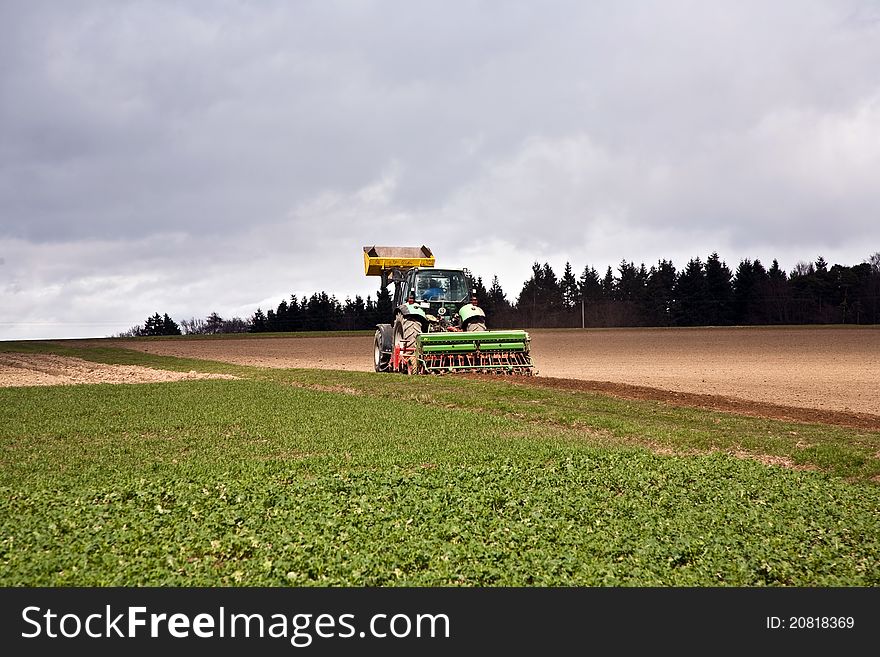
438,327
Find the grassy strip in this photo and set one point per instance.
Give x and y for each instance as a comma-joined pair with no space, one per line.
250,482
844,452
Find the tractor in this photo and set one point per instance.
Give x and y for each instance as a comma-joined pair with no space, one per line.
438,326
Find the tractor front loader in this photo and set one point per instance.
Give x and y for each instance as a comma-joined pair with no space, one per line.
437,326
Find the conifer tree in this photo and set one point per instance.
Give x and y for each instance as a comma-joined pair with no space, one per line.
258,322
719,292
691,294
169,326
569,288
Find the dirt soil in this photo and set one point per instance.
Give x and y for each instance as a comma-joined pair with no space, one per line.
711,402
50,370
833,373
831,370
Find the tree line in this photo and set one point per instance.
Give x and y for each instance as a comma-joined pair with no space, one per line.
704,293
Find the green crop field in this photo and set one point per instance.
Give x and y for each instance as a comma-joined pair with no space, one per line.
324,478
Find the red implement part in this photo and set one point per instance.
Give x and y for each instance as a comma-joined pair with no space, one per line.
401,359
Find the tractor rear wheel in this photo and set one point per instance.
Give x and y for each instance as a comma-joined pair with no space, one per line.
406,333
380,357
477,325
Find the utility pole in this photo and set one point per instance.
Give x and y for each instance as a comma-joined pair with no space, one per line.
582,312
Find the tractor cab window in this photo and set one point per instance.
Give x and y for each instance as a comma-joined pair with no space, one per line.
440,285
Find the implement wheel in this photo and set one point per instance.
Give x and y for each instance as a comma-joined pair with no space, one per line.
406,332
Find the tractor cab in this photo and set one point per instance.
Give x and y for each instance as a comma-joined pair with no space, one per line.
433,288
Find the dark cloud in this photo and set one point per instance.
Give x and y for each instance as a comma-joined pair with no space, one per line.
193,156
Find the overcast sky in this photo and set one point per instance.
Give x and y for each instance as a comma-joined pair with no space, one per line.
190,157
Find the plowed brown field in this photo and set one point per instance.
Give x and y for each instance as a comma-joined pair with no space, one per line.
816,374
50,370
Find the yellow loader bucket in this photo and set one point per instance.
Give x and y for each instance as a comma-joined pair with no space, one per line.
382,258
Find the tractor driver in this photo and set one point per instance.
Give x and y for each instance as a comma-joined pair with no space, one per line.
434,291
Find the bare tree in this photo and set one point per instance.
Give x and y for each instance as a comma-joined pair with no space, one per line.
133,332
214,324
235,325
803,268
192,326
